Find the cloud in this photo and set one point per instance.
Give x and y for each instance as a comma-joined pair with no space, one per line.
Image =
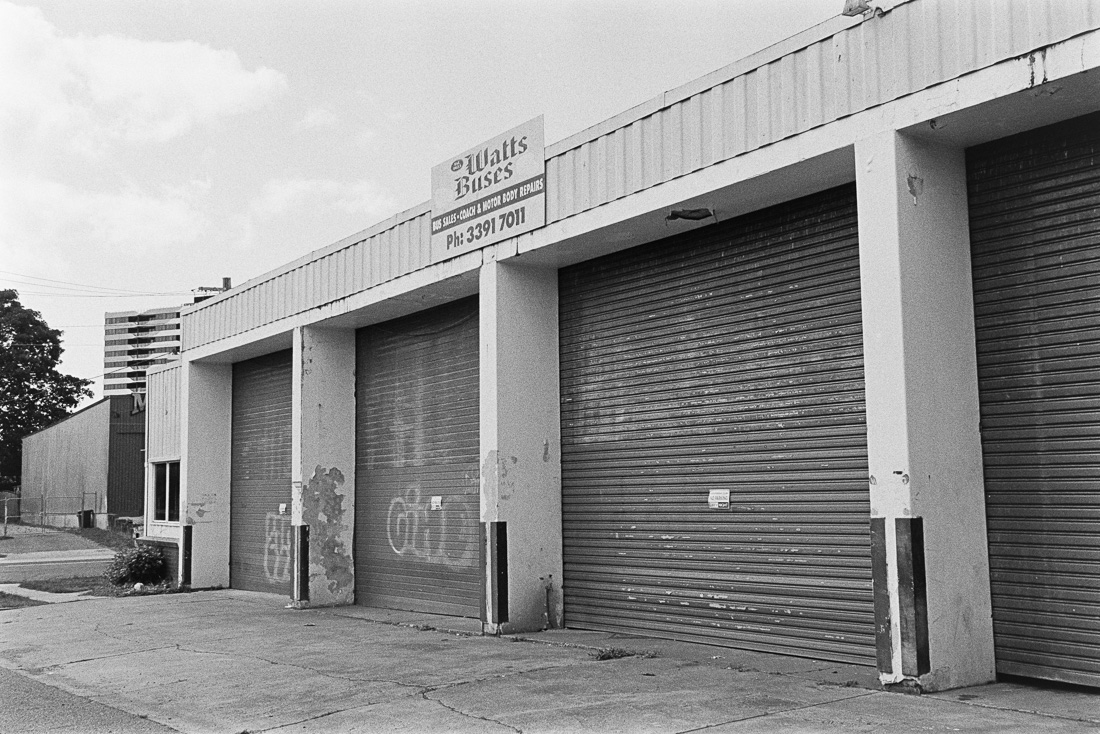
364,198
90,92
318,117
40,218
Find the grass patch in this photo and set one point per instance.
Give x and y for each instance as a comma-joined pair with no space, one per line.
14,601
113,539
97,586
63,586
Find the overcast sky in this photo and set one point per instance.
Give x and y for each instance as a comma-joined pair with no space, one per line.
156,146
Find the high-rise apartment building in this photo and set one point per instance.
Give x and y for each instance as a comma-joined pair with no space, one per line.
137,340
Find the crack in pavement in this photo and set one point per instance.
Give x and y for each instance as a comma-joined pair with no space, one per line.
424,695
298,666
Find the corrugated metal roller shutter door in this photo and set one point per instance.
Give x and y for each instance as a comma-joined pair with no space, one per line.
260,540
417,437
1035,235
729,359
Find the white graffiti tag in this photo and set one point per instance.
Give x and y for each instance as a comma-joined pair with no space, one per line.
404,521
277,565
412,534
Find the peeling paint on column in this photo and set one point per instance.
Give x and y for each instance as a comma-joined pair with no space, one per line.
329,552
489,475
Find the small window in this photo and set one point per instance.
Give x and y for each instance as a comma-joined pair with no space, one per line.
167,479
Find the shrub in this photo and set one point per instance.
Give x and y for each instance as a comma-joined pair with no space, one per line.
143,564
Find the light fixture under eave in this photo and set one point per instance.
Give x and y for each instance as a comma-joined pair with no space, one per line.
692,214
855,7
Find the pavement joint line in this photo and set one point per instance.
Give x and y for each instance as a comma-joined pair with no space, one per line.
91,697
58,666
943,696
334,676
781,711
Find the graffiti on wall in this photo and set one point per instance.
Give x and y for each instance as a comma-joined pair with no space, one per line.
277,560
416,530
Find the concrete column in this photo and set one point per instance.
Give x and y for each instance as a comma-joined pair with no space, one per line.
927,493
206,422
323,454
520,447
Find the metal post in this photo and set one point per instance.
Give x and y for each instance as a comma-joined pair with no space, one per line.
6,500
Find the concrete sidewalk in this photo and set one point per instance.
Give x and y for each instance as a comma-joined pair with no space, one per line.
231,661
37,565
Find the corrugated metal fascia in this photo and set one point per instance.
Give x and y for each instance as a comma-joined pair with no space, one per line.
349,241
162,410
828,72
838,68
797,42
265,299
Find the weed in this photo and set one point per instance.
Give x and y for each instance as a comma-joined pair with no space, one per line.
144,564
612,653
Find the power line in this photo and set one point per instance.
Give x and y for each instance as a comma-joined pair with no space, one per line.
128,368
104,295
69,282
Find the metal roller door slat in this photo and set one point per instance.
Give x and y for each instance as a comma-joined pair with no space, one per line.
261,551
418,436
730,358
1035,236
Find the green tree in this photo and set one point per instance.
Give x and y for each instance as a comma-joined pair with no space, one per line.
33,394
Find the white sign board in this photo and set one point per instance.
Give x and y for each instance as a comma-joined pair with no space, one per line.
491,192
719,499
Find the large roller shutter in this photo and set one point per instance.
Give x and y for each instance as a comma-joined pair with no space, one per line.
417,437
260,547
727,359
1035,234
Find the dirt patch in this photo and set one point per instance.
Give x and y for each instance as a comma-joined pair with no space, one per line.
34,540
14,601
96,586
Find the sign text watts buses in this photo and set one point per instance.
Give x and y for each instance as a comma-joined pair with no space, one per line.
490,193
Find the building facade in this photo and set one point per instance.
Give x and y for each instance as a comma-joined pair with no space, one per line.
135,341
848,413
88,462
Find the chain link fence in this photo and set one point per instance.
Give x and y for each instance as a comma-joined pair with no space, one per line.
28,515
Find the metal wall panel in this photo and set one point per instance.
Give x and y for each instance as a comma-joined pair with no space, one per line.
65,466
838,69
418,437
1035,235
162,410
729,358
126,459
261,548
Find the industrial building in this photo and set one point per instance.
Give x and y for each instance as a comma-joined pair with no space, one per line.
799,357
87,467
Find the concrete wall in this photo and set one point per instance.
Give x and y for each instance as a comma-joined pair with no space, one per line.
521,439
65,468
923,444
323,454
207,411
